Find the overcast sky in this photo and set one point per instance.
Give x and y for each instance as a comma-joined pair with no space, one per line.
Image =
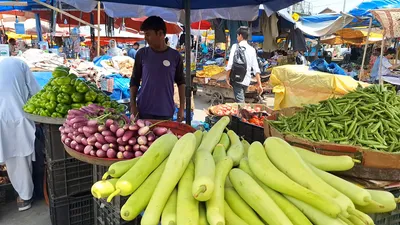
337,5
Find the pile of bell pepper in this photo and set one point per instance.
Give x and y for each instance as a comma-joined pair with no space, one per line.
66,91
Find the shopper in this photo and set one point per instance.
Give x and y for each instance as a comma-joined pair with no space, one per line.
132,52
17,142
156,69
237,78
386,65
114,50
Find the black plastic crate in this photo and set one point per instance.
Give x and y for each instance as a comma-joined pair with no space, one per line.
392,218
98,172
54,148
73,210
68,177
248,131
211,120
105,214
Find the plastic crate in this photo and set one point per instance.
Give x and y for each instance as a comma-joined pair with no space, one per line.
249,132
54,148
72,210
68,177
392,218
107,215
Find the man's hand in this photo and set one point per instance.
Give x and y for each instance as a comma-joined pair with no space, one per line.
134,110
181,114
260,89
228,82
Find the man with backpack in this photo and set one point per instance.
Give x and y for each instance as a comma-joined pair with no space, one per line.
242,60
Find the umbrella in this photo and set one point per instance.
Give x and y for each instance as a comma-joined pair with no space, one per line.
204,25
11,16
135,23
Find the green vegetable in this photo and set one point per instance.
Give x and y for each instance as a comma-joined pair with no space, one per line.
62,80
81,87
67,88
51,96
77,105
56,115
187,208
90,96
101,98
51,106
77,97
61,71
29,108
64,98
62,108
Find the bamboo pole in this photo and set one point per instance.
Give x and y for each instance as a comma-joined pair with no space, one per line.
365,50
98,31
67,14
380,62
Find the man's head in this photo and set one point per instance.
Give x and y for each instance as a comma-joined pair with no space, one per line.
154,29
136,46
112,43
242,34
390,53
12,41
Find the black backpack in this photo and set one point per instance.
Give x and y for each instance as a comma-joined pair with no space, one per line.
239,66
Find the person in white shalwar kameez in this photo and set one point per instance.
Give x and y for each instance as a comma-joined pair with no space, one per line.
17,133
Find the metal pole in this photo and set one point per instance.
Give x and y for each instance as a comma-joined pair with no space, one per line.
98,31
188,92
380,62
365,49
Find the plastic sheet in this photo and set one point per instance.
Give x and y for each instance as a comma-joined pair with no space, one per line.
42,77
296,85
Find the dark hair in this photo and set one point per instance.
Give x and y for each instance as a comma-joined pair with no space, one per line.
390,51
137,44
244,31
166,40
155,23
12,40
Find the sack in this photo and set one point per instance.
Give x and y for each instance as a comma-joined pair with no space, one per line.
239,66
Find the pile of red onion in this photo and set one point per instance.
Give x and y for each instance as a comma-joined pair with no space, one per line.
97,131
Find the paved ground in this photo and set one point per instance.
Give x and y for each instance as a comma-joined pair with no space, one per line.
39,213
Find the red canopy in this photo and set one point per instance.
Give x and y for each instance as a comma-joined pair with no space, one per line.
204,25
135,23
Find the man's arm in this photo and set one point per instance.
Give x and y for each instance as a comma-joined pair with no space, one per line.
257,71
229,66
180,81
135,82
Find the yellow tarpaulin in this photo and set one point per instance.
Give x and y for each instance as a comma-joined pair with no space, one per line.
296,85
20,36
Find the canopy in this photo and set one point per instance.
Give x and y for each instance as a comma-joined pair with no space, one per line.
351,36
201,25
322,25
135,23
390,20
106,40
247,10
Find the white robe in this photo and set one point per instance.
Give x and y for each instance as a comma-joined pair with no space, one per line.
17,85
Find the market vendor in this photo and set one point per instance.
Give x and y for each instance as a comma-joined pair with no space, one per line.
114,50
387,67
240,87
17,142
156,69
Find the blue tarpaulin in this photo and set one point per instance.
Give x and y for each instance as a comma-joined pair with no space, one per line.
42,77
31,5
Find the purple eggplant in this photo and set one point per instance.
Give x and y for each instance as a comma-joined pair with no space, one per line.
84,141
128,148
71,135
80,130
75,133
107,133
143,131
78,138
125,127
142,140
150,143
140,123
113,128
101,128
73,144
147,123
110,139
120,132
109,122
121,142
136,147
87,150
121,148
100,138
138,154
113,146
129,155
92,123
64,136
91,140
143,148
120,155
101,154
79,148
132,141
69,130
111,153
98,145
75,112
105,147
87,134
68,142
61,129
127,135
91,130
93,153
159,131
134,127
151,137
79,119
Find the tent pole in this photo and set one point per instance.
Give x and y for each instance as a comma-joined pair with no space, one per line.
188,91
380,62
98,31
365,49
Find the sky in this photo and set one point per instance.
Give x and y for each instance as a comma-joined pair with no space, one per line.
337,5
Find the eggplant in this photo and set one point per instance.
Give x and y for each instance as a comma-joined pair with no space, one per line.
73,144
143,148
113,128
78,138
109,122
93,153
136,147
138,154
105,147
128,134
134,127
140,123
68,141
79,148
84,141
128,148
159,131
92,123
132,141
110,139
121,148
142,140
143,131
100,153
151,137
120,155
120,132
121,142
90,130
100,138
129,155
87,150
98,145
101,128
107,133
111,153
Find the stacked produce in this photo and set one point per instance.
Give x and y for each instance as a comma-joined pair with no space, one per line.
214,178
233,109
210,71
105,133
65,91
369,117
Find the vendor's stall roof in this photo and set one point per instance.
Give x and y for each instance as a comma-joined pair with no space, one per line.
324,24
389,18
246,10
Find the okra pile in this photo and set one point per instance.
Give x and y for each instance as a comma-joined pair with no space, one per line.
368,117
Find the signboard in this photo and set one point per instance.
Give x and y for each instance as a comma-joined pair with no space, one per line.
19,28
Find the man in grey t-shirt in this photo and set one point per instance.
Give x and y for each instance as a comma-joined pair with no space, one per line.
156,69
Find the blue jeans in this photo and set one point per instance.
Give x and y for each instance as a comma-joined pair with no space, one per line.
239,92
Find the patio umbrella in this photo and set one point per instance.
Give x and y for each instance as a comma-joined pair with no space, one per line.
203,25
11,16
135,23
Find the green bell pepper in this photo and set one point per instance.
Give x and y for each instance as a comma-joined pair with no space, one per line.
64,98
107,104
56,115
77,97
67,88
73,76
90,96
81,87
62,108
44,112
42,103
63,80
100,98
51,96
51,106
77,105
29,108
60,72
